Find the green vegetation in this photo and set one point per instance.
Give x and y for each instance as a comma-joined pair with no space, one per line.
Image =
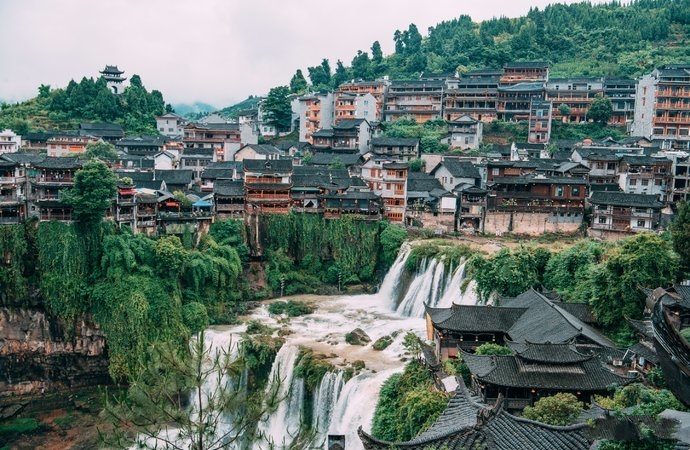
558,409
579,39
638,399
291,308
311,367
18,425
382,343
408,404
95,186
493,349
429,133
89,100
508,273
259,351
605,275
680,232
231,112
304,251
277,108
449,252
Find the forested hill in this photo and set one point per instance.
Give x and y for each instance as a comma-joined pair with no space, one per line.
86,101
578,40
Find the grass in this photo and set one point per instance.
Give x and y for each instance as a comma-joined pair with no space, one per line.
18,425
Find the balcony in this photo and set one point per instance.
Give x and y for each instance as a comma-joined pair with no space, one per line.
673,105
9,219
53,180
9,199
229,208
263,197
12,180
48,215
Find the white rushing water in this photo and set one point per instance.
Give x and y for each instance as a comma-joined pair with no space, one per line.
340,407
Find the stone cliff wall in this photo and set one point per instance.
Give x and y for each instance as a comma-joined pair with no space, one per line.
35,357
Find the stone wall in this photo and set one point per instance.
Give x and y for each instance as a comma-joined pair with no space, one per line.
530,223
35,357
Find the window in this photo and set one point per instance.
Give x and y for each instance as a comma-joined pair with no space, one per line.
602,219
641,223
575,191
633,181
559,191
495,171
645,182
658,182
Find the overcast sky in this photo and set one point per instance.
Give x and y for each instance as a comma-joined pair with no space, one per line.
215,51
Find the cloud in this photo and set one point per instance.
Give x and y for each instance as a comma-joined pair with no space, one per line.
216,51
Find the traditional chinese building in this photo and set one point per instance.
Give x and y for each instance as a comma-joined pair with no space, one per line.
267,185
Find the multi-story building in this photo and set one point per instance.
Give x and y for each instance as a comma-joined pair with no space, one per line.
646,175
538,193
378,89
421,100
576,93
388,179
540,115
354,106
107,131
400,149
315,112
170,125
49,178
620,211
228,198
142,145
514,101
68,144
10,142
346,136
267,185
475,95
524,72
662,107
621,92
224,138
12,192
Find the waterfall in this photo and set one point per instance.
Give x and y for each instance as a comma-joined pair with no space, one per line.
390,287
356,406
325,400
283,424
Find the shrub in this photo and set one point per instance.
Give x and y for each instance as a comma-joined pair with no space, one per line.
382,343
291,308
559,409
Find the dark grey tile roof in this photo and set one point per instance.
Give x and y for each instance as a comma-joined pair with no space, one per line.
580,310
174,177
324,132
263,149
216,174
53,162
228,188
136,175
422,182
475,318
643,327
458,168
267,165
646,352
142,141
548,353
526,65
23,158
348,124
513,371
101,129
393,142
623,199
325,158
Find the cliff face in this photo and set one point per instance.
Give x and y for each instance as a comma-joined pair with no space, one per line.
35,357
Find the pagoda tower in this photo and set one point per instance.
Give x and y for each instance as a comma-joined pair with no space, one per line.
113,76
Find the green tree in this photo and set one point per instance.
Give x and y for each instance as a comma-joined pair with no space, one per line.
101,150
412,344
298,84
320,75
197,391
558,409
416,165
277,108
601,109
341,75
493,349
94,188
391,239
680,234
360,66
564,109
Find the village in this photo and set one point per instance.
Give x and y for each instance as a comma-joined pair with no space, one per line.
344,165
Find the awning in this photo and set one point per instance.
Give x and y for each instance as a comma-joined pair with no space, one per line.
127,191
202,204
172,204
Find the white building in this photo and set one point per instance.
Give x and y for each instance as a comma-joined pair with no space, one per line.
10,142
170,125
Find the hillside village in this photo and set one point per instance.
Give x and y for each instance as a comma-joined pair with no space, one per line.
344,164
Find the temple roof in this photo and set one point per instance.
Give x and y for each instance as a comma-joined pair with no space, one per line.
228,188
475,318
515,371
548,353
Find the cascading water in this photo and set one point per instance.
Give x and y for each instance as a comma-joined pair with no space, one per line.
339,408
282,426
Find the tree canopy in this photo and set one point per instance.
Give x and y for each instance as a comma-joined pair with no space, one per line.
277,108
94,188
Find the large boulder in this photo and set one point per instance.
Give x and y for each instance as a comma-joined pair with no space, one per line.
357,337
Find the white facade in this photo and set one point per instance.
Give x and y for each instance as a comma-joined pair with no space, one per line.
165,161
644,106
170,125
10,142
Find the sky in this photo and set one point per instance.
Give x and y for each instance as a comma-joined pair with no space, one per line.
213,51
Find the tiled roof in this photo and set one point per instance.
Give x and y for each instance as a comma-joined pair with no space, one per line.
623,199
393,142
267,165
263,149
475,318
101,129
643,327
136,175
514,371
348,124
324,132
458,168
646,352
53,162
174,177
548,353
422,182
526,65
147,141
228,188
216,174
325,159
580,310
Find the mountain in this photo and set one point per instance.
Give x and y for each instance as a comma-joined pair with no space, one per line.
197,108
250,102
